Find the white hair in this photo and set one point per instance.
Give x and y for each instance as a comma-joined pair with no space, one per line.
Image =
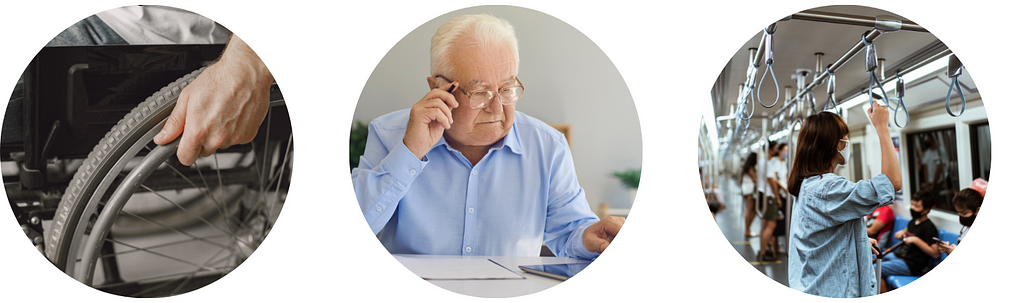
484,29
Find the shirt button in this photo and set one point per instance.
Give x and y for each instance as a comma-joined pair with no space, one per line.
471,210
412,172
469,249
378,208
474,173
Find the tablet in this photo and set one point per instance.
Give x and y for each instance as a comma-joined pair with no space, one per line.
556,271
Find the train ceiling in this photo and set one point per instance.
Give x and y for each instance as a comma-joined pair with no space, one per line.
797,41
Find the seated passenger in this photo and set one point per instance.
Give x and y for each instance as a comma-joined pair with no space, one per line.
918,243
967,202
880,223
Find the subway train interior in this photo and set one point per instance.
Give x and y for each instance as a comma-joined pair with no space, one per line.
829,59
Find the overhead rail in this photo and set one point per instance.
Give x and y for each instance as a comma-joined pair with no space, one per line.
908,70
881,24
822,77
831,69
886,22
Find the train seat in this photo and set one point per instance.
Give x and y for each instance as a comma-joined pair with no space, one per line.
900,281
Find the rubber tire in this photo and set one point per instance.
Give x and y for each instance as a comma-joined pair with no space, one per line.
71,209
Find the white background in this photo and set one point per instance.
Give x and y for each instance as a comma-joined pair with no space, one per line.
669,55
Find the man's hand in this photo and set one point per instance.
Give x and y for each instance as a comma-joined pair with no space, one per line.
911,240
899,234
874,243
222,107
428,119
598,235
946,247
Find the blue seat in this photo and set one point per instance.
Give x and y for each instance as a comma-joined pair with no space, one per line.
900,281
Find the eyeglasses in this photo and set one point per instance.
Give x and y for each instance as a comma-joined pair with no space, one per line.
482,98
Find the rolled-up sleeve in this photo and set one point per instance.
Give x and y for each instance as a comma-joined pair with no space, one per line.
856,200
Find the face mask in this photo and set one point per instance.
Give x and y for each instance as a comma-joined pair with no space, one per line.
845,152
915,214
968,221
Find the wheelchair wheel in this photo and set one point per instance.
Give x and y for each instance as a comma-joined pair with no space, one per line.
171,228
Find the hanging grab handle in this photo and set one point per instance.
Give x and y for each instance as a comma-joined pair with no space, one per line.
830,90
900,92
810,99
769,59
954,70
871,64
748,89
745,95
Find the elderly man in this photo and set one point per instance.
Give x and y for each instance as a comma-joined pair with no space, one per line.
463,173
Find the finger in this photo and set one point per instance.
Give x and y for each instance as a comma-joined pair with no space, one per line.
599,244
175,124
207,151
439,115
443,107
188,149
437,110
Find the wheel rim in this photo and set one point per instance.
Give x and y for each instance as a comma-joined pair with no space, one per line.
242,217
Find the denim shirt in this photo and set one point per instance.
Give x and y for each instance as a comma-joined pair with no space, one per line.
829,251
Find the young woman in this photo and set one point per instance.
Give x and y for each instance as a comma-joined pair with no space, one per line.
830,253
747,176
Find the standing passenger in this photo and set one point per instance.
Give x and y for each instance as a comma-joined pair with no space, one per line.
829,249
769,245
747,177
781,175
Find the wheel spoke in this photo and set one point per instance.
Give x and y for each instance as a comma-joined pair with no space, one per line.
191,272
207,192
160,245
183,209
173,229
216,165
183,283
200,172
204,267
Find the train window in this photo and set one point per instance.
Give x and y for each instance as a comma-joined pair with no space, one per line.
981,150
933,165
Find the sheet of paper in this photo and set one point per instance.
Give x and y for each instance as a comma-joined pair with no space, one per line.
456,268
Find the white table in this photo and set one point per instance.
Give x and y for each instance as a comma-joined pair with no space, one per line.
500,288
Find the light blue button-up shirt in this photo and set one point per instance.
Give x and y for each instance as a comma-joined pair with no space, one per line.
522,193
828,242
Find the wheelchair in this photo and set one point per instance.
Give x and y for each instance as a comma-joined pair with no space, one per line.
105,204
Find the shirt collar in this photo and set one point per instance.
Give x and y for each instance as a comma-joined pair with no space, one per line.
511,140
